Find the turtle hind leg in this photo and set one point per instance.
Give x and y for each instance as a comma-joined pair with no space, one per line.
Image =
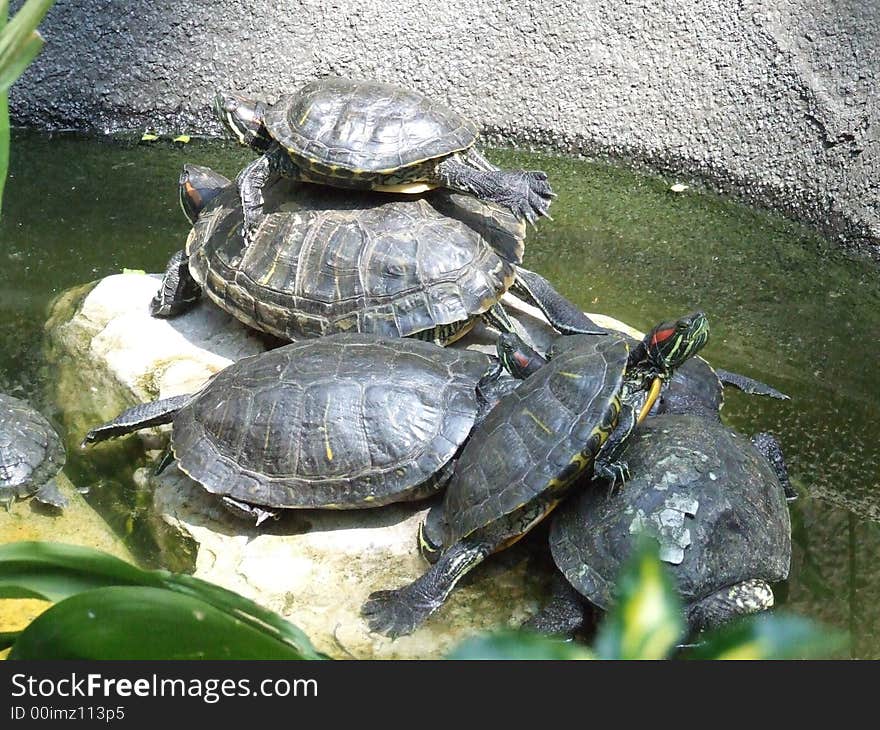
749,385
178,291
562,314
140,416
400,612
563,616
740,599
527,193
767,444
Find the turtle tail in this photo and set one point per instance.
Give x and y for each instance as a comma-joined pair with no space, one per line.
140,416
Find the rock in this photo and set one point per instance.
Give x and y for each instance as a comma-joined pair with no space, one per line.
315,567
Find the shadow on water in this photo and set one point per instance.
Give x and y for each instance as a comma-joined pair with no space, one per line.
785,306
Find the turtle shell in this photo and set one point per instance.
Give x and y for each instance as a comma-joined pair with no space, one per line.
693,388
539,437
710,498
325,260
365,126
31,452
337,422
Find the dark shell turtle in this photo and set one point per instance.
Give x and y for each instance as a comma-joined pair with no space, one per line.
31,455
526,455
325,261
710,498
369,135
340,422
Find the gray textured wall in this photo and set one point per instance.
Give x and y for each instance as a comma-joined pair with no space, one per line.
776,100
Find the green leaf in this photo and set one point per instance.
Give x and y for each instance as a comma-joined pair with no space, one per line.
133,622
518,645
20,59
771,636
18,30
55,571
8,638
4,144
646,621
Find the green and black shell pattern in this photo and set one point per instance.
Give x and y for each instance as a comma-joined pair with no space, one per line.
339,422
31,452
539,438
325,260
702,490
341,128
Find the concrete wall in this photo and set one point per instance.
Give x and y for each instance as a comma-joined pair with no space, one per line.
775,100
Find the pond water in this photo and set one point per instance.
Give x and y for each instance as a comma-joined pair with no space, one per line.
785,306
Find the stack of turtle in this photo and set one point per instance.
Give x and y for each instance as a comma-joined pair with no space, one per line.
315,238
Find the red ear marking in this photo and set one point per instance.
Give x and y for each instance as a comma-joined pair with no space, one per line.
662,335
192,193
520,359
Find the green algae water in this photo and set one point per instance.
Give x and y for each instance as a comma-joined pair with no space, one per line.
785,306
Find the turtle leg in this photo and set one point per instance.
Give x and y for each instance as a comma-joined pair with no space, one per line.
248,511
608,464
431,533
564,316
563,616
525,192
749,385
253,178
402,611
140,416
739,599
178,291
767,444
50,494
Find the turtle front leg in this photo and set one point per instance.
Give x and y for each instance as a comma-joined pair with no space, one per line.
767,444
253,178
178,292
527,193
562,314
740,599
563,616
402,611
608,464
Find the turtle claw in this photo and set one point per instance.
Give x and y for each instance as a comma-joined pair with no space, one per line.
527,194
390,613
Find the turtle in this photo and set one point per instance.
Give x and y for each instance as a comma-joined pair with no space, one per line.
345,421
326,261
562,421
369,135
712,500
31,455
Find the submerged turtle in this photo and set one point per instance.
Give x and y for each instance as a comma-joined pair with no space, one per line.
560,423
31,455
326,261
369,135
715,504
340,422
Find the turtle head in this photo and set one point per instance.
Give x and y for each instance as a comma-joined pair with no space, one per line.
198,186
516,356
670,343
243,117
